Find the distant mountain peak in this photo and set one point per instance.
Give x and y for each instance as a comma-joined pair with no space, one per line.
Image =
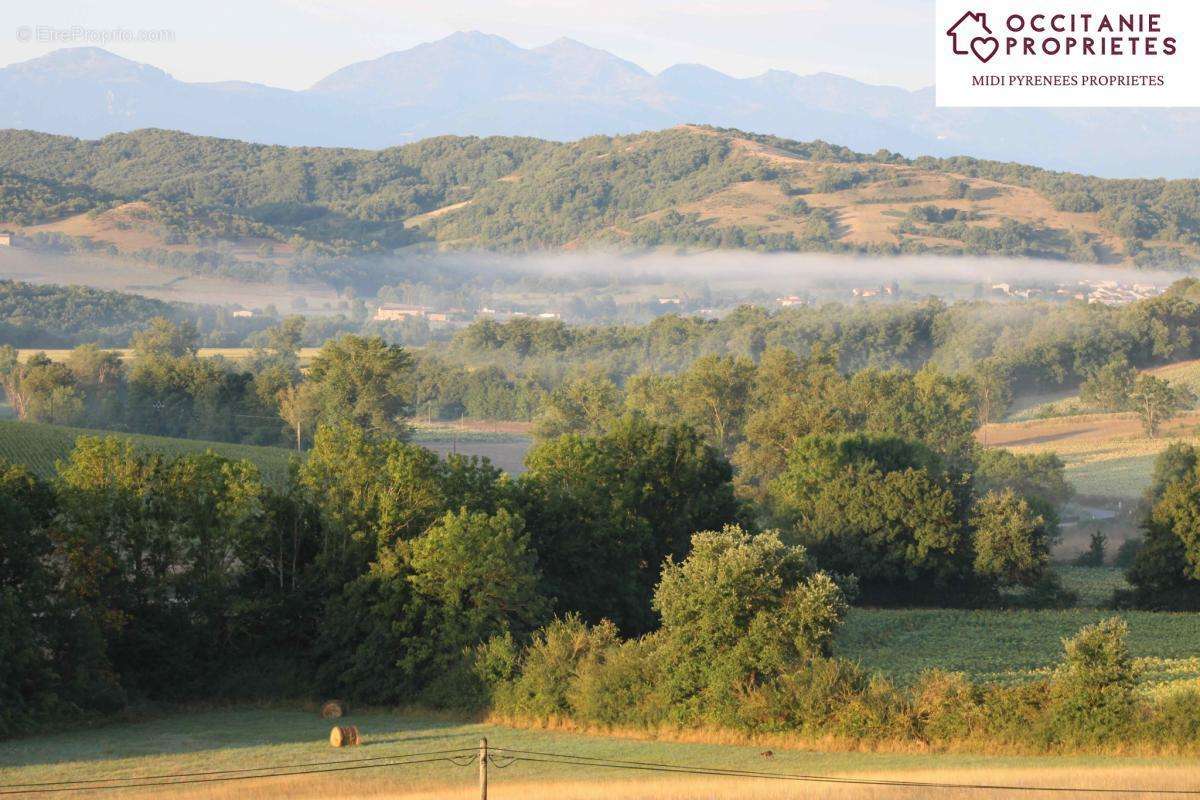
476,83
95,62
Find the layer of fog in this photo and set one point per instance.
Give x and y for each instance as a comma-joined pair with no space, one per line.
784,271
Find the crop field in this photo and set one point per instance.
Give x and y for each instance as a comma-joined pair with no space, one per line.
1094,585
245,738
1011,646
39,446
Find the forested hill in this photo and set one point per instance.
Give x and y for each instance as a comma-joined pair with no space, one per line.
687,186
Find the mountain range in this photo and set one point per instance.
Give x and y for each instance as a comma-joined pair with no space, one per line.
478,84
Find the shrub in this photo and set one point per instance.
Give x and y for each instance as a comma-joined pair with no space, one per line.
1093,689
740,610
616,685
947,707
1176,718
549,666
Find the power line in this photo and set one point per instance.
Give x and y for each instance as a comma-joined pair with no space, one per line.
502,758
646,766
242,769
216,776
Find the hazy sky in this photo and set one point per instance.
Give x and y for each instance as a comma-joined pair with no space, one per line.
293,43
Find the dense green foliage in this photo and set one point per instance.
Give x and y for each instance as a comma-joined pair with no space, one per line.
1165,571
30,201
1026,348
61,316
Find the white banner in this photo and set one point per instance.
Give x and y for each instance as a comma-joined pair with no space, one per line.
1094,53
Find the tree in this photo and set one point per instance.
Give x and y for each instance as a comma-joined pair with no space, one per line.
925,406
1156,401
1037,478
50,392
372,492
147,546
791,398
1092,693
482,572
364,381
740,611
11,373
1111,387
1096,553
879,507
1011,545
712,397
166,339
992,391
1165,572
586,405
605,511
298,408
38,389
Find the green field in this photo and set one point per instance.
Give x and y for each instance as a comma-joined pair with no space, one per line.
207,741
39,446
1012,646
1093,585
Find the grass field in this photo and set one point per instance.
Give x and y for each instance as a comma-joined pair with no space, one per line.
1012,646
206,741
39,446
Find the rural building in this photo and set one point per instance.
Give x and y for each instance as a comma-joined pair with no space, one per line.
242,313
394,313
5,240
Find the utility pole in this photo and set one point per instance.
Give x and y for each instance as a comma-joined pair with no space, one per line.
483,758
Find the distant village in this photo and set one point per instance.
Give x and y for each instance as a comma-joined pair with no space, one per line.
1109,293
1112,293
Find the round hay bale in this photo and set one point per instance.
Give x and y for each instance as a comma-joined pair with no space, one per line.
344,736
333,709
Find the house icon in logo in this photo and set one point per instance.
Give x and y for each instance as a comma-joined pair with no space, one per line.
972,36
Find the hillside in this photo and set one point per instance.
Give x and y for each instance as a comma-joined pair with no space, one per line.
694,187
1108,455
472,83
39,447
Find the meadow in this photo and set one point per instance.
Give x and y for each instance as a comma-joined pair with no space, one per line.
243,738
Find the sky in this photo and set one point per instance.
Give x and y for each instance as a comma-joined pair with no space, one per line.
293,43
